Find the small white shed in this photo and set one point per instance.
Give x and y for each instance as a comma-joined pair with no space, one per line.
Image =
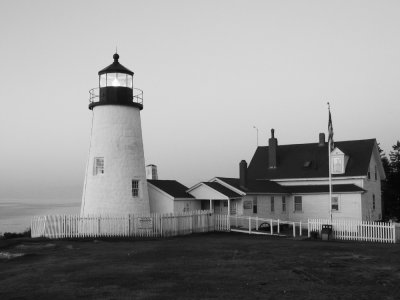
170,196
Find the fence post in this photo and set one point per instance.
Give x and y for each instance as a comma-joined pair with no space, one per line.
98,225
308,228
294,229
279,230
249,225
394,232
300,230
272,228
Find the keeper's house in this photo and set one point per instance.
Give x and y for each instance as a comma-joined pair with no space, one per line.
290,182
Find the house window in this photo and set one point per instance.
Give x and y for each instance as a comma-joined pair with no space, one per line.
255,205
373,201
186,207
135,188
225,203
247,204
98,167
335,203
298,203
272,203
369,173
283,203
375,174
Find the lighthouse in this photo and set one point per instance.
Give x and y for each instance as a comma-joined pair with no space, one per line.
115,180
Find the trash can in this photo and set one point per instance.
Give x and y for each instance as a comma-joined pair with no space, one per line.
326,232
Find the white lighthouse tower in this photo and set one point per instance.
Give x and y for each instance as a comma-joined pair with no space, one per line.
115,181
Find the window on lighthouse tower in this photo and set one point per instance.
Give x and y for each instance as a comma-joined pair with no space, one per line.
98,167
135,188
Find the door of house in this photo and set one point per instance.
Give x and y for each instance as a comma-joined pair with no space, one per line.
217,207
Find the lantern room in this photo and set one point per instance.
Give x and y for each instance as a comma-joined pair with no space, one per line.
116,87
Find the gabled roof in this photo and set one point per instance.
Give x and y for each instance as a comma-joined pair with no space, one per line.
256,186
318,189
310,160
222,189
171,187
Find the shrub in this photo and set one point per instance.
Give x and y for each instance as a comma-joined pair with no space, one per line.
13,235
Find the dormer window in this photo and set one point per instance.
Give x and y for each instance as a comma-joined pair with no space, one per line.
338,161
337,165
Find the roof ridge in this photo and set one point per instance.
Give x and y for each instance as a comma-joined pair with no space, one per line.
316,143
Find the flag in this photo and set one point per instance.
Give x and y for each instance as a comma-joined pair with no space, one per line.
330,131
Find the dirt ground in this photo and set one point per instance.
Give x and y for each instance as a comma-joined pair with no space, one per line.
200,266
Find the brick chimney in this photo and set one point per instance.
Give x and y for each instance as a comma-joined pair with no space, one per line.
243,174
321,139
272,150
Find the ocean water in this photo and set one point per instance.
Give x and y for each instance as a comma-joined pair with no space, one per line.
15,216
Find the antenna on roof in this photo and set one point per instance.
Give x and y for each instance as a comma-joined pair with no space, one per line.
257,133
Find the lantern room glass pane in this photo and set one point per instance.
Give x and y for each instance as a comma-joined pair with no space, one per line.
103,80
116,79
112,79
121,79
129,82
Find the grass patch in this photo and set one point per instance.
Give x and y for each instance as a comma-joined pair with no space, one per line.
200,266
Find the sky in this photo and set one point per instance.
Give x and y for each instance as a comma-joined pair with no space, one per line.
210,71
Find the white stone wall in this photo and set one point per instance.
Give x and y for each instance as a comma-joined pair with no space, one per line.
116,136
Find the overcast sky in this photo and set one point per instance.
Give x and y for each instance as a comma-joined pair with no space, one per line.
210,71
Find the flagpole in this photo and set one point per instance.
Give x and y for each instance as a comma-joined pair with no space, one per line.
330,180
330,141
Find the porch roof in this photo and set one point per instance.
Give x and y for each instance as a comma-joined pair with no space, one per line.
319,189
256,186
223,190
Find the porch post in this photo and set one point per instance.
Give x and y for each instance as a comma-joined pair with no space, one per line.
229,213
210,204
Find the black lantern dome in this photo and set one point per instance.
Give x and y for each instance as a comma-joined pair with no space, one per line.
116,87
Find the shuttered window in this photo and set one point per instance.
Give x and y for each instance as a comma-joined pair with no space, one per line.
283,203
255,205
135,188
298,203
272,204
335,203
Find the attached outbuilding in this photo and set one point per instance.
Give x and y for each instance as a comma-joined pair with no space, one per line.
170,196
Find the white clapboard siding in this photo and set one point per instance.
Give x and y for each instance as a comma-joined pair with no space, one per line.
357,230
143,226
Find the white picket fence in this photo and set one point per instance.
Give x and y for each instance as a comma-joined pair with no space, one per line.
252,225
153,225
357,230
